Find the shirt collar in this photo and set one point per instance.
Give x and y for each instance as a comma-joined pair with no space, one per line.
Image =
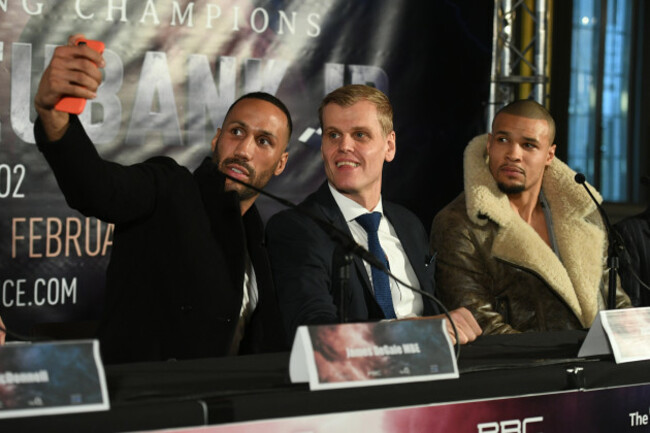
350,208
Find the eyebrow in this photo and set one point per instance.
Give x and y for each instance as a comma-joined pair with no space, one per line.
329,129
352,128
532,139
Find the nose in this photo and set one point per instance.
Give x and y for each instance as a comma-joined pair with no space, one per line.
245,147
346,143
514,152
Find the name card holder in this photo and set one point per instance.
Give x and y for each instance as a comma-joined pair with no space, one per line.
368,354
51,378
625,333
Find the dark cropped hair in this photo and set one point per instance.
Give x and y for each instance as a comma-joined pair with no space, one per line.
268,98
531,110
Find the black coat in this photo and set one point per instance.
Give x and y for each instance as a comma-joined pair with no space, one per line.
306,263
174,281
635,259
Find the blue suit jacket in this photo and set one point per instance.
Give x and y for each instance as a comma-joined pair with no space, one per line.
306,263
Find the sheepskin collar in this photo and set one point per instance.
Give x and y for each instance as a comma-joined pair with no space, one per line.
577,278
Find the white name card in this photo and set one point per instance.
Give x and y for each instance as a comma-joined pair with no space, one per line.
379,353
625,333
51,378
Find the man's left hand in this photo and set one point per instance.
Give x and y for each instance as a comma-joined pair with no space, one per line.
466,325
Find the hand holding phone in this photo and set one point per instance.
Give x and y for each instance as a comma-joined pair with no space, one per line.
74,105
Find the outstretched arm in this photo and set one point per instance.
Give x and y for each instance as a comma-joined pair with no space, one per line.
300,254
90,184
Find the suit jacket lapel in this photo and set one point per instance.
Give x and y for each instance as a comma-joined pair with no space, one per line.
332,213
408,239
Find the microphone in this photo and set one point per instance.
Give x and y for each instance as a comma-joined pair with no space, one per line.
612,254
350,245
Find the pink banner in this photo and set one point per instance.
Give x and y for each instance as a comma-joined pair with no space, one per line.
624,409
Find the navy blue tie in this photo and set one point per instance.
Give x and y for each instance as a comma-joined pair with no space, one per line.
380,282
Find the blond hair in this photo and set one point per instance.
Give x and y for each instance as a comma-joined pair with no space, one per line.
351,94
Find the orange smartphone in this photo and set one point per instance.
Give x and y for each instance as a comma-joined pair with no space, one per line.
71,104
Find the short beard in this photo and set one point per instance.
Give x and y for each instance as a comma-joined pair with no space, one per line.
511,189
242,191
258,182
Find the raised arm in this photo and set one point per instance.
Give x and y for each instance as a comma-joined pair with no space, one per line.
90,184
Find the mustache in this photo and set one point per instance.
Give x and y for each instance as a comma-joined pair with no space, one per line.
241,162
512,167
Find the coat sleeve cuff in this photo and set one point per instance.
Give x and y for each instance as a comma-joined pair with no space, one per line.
42,141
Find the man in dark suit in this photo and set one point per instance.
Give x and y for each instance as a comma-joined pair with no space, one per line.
358,138
189,276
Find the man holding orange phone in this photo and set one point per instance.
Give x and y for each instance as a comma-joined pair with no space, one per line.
83,87
74,71
188,275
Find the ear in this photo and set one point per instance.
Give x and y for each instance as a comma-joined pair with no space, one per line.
391,139
282,163
213,144
490,137
550,155
322,149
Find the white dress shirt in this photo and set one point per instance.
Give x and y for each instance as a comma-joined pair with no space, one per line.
406,302
249,302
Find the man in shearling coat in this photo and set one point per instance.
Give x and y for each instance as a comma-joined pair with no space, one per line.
523,247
